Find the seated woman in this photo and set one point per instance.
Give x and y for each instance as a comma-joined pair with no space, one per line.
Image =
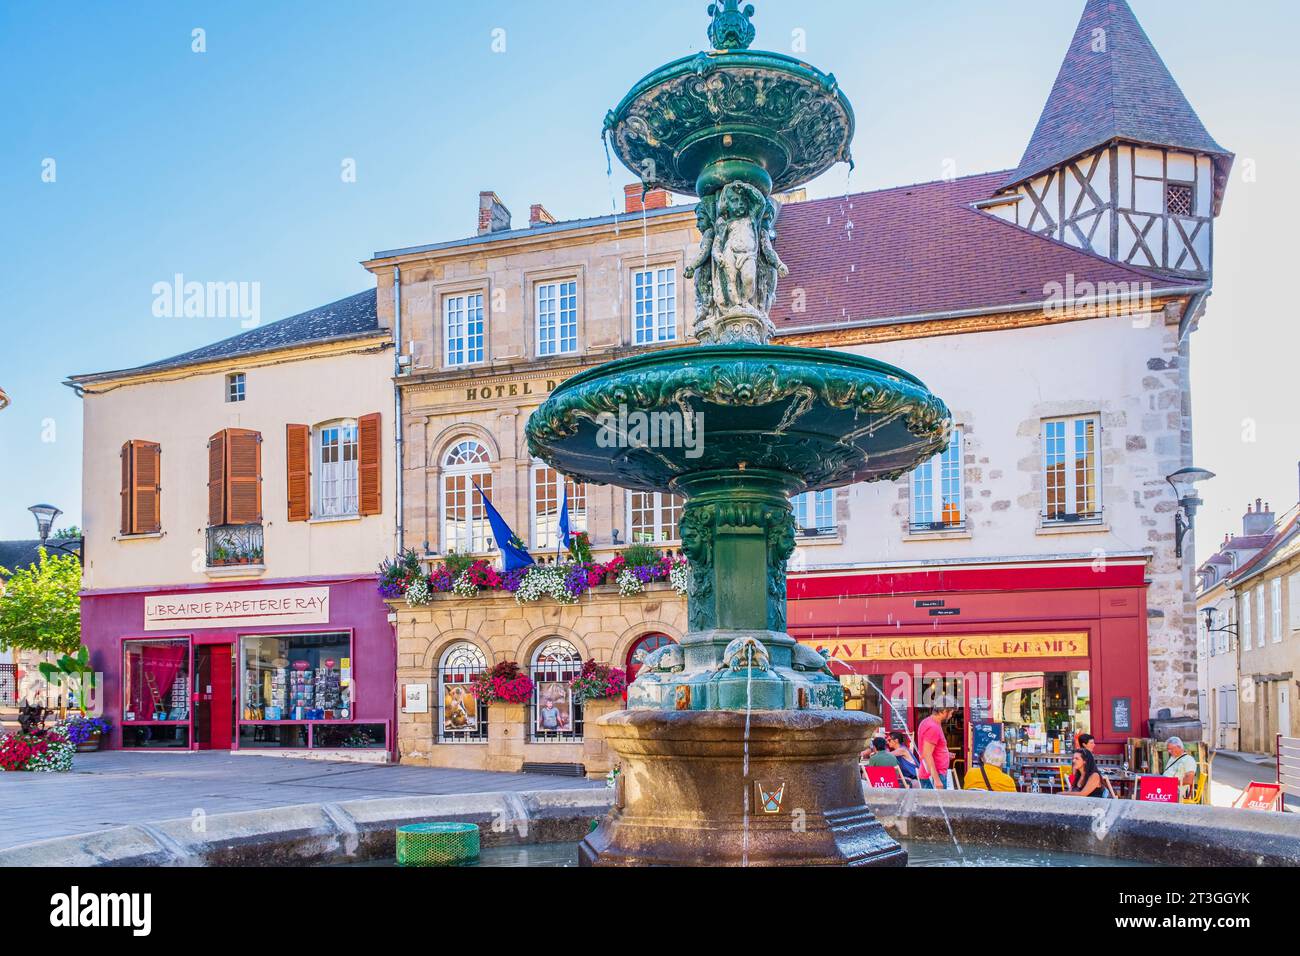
989,774
900,747
1086,781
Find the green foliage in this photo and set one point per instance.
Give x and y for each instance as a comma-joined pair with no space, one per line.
456,563
69,533
640,555
40,609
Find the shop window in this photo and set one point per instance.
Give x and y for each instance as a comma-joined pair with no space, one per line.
155,684
647,643
273,736
1072,468
460,718
349,737
938,501
655,295
814,513
1041,711
465,527
546,506
652,516
156,736
557,317
463,329
556,717
296,677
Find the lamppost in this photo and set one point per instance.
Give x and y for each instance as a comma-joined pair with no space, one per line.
1211,629
45,516
1184,482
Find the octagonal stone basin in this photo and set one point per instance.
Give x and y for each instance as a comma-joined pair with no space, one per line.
820,417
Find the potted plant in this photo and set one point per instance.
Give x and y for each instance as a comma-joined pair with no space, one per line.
85,733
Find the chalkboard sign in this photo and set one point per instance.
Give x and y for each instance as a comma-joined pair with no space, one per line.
1121,715
981,710
898,713
981,736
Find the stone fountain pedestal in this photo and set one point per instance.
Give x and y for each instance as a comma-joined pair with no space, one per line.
681,797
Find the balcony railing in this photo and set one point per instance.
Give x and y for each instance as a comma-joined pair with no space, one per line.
926,527
235,544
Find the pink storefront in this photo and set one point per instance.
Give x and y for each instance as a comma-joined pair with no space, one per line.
293,667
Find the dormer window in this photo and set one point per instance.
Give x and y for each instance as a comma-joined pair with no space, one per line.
1180,199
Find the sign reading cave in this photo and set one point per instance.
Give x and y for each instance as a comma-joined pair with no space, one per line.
257,606
956,647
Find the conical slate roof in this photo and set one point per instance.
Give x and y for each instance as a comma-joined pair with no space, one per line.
1114,86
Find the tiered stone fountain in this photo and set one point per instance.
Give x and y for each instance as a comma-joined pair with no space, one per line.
735,747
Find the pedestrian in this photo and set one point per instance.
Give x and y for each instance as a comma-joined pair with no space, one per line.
1086,781
933,744
989,775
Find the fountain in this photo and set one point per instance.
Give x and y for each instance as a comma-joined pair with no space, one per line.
735,747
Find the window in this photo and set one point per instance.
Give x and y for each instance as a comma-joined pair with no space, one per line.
1072,465
938,503
647,643
1293,599
460,719
141,487
463,328
1245,620
655,304
652,516
1259,616
295,677
557,318
155,693
814,513
1180,199
235,387
546,506
336,469
465,527
1228,695
557,716
1276,587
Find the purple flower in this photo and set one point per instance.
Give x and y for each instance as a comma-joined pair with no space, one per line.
510,580
576,581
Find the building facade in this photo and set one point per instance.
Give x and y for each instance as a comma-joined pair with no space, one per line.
236,505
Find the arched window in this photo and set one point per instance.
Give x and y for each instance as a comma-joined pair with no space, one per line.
556,715
460,718
465,526
647,643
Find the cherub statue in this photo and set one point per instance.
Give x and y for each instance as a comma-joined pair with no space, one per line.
736,247
770,265
700,269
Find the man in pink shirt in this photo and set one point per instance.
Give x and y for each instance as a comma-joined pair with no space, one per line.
932,745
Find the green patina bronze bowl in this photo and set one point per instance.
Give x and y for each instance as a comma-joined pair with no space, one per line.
823,418
735,114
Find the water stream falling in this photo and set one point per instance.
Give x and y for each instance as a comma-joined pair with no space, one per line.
744,839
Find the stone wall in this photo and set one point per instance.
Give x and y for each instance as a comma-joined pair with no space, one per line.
602,625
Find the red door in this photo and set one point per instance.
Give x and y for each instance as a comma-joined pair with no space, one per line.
214,697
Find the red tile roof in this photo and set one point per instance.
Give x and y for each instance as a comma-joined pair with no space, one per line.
919,250
1113,85
1275,543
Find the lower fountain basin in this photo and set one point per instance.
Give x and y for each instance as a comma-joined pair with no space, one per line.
824,418
726,788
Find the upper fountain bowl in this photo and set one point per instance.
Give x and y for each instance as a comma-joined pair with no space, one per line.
821,419
732,114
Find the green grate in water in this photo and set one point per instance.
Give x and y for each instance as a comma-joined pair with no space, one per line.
437,844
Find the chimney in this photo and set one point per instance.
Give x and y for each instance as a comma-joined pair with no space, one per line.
654,199
1259,520
493,216
538,216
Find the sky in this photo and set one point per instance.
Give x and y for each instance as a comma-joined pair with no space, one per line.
128,157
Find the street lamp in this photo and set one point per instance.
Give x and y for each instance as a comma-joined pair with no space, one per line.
1183,481
1209,624
45,515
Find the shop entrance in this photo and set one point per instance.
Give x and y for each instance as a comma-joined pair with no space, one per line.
214,696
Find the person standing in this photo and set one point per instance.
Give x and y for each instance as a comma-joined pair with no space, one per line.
932,743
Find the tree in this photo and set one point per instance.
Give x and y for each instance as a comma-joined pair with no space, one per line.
40,609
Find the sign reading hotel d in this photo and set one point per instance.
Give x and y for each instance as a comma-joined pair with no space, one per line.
264,607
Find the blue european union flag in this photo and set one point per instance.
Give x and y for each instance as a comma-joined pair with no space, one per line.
511,556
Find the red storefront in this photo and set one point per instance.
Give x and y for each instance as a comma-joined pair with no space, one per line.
1061,641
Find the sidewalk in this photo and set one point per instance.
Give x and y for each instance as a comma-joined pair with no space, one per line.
113,788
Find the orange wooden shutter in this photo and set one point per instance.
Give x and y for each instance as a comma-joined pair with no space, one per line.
297,456
145,487
243,476
126,488
217,479
369,489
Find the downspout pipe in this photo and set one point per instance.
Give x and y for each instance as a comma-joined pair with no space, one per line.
399,429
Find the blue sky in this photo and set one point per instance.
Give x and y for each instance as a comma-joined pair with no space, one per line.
225,166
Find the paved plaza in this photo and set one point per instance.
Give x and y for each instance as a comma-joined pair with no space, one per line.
113,788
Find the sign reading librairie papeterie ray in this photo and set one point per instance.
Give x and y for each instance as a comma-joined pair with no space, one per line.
955,646
259,606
